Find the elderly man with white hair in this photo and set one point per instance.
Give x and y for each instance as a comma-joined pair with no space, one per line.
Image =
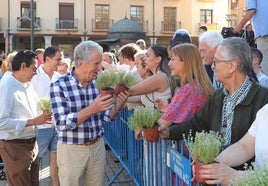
79,112
208,43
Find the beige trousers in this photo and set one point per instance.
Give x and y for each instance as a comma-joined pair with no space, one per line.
81,165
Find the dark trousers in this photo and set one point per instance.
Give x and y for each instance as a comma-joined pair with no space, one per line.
21,162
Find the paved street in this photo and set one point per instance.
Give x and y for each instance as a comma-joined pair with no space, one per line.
111,169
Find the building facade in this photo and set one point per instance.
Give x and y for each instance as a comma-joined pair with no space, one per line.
65,23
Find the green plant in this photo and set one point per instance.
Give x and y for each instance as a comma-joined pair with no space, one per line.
256,177
127,79
44,105
143,118
106,80
204,147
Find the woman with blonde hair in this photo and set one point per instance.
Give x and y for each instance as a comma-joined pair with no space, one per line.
196,87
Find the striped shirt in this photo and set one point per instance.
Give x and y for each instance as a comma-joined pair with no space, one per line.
68,97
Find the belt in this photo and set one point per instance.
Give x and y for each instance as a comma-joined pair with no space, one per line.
91,142
45,126
30,140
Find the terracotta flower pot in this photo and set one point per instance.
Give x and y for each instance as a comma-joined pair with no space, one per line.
105,92
120,88
197,168
151,134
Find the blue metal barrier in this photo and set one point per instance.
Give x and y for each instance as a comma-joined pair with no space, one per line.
160,163
129,151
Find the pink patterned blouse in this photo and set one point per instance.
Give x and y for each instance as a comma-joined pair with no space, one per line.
184,104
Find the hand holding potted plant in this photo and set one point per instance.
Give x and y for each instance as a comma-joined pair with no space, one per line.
125,80
144,119
106,81
204,148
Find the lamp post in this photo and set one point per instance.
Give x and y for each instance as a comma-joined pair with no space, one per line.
7,32
32,24
85,35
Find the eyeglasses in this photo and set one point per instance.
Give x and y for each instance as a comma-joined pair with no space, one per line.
34,69
215,61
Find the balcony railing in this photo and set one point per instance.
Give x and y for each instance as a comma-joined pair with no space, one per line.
145,26
101,25
24,23
62,24
170,27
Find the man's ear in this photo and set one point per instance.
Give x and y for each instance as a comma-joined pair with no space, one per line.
23,66
79,63
234,66
255,61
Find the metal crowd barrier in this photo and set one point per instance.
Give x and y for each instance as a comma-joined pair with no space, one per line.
160,163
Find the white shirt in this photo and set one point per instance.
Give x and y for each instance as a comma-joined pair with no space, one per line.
126,68
149,99
259,129
18,104
41,84
263,79
6,75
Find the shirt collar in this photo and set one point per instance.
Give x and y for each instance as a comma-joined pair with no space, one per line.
240,90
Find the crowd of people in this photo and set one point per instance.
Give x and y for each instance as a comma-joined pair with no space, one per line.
221,88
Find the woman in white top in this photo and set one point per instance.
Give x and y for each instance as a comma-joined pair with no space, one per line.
160,84
253,143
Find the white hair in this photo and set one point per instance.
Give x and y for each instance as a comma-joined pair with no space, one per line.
211,37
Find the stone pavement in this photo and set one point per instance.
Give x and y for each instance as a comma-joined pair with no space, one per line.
111,169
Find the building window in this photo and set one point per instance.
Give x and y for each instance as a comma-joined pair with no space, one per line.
137,14
24,21
169,23
26,9
206,16
102,16
66,15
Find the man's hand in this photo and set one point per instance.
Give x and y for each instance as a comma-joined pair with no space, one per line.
41,119
237,29
101,103
163,132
